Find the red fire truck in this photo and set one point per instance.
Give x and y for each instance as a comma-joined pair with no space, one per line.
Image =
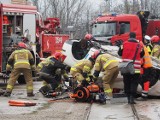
19,23
113,27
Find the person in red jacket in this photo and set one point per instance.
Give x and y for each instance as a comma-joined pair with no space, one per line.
127,51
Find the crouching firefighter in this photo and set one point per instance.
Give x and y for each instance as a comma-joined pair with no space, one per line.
109,65
20,61
80,71
51,72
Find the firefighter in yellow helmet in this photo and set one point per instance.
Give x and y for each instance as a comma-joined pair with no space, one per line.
156,46
20,61
81,70
109,65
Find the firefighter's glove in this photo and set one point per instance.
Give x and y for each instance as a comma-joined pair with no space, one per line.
84,83
8,67
84,74
58,71
96,74
95,79
33,68
67,69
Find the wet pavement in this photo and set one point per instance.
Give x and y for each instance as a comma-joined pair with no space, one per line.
116,109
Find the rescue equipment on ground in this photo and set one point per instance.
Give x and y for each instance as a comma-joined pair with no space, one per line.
20,103
87,94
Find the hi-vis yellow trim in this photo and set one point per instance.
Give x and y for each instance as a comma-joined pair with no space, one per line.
104,59
22,63
109,62
86,68
40,65
78,64
154,50
73,69
9,87
30,88
108,91
97,64
88,79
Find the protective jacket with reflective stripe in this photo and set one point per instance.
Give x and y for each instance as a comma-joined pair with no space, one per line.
21,58
129,49
156,51
105,61
84,66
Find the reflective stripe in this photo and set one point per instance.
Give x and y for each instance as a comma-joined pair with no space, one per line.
104,59
88,79
30,88
108,62
97,64
108,91
127,60
78,64
22,63
73,69
9,87
86,68
40,65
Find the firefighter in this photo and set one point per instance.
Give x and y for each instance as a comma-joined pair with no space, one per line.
51,71
81,70
156,47
147,42
20,61
146,74
109,65
127,51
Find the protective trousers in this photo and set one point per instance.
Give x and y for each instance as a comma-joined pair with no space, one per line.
130,84
14,76
54,81
108,79
145,82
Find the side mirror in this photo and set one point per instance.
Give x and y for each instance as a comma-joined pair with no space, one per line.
122,28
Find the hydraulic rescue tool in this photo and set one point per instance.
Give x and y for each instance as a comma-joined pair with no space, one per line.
91,93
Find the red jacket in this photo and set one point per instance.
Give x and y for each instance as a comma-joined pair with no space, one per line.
129,49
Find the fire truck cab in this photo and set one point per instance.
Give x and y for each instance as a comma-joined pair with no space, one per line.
110,28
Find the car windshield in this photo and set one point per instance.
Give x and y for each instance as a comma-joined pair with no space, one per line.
104,29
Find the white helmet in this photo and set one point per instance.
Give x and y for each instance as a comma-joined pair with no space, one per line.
146,37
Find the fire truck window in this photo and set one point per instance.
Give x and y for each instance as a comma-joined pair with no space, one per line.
126,26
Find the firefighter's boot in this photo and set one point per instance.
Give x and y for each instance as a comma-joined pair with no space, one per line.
7,94
45,89
30,95
102,98
128,98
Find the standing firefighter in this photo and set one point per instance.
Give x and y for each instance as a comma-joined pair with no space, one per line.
51,71
81,70
146,74
131,50
156,46
21,61
109,65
